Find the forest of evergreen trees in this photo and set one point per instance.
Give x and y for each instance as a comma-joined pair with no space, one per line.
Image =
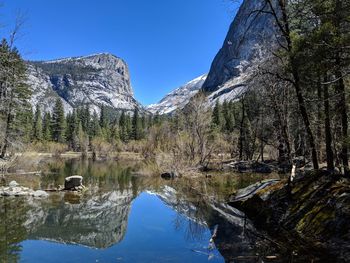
78,128
296,103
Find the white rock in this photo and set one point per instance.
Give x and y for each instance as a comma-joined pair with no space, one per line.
103,80
13,184
40,193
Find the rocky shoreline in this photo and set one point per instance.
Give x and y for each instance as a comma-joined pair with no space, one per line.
312,213
14,189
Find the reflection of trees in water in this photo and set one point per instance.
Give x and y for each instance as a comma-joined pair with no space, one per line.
105,175
12,231
236,239
193,230
101,212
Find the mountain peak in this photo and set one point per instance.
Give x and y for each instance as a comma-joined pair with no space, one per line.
96,79
247,37
105,55
178,98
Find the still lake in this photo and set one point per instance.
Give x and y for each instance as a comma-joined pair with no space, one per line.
127,218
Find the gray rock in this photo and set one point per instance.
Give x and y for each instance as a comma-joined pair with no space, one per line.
13,184
40,193
248,192
21,191
249,35
73,182
100,79
5,193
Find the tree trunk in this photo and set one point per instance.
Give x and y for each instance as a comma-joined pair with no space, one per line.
5,143
297,84
319,118
306,119
241,131
344,122
6,136
341,92
328,132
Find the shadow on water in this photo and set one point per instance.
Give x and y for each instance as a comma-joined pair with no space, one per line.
99,218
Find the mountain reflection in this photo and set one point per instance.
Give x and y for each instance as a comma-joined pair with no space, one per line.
96,219
99,217
97,222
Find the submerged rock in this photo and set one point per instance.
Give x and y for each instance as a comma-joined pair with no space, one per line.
315,209
40,193
249,167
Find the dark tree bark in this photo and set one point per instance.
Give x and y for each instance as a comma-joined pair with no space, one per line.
282,22
241,131
328,132
344,122
341,91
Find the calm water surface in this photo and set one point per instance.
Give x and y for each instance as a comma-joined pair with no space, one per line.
125,218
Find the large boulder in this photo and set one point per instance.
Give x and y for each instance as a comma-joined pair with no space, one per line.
73,182
315,209
250,191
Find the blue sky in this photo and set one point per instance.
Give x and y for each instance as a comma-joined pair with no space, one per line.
165,42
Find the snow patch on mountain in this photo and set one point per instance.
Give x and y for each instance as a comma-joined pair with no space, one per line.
178,98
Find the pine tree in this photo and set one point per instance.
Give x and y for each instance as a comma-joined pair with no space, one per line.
83,140
72,130
26,120
125,127
228,119
217,115
47,127
84,116
95,129
14,97
115,134
103,117
58,122
136,126
37,125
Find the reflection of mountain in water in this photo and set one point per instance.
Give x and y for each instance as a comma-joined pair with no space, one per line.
236,237
98,221
232,226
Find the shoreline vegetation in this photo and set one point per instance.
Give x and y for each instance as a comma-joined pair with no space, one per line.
291,116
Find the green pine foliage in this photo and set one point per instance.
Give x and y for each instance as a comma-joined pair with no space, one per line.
137,130
37,134
58,122
15,109
47,127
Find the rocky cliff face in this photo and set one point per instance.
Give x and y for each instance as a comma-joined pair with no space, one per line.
251,34
178,98
101,79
